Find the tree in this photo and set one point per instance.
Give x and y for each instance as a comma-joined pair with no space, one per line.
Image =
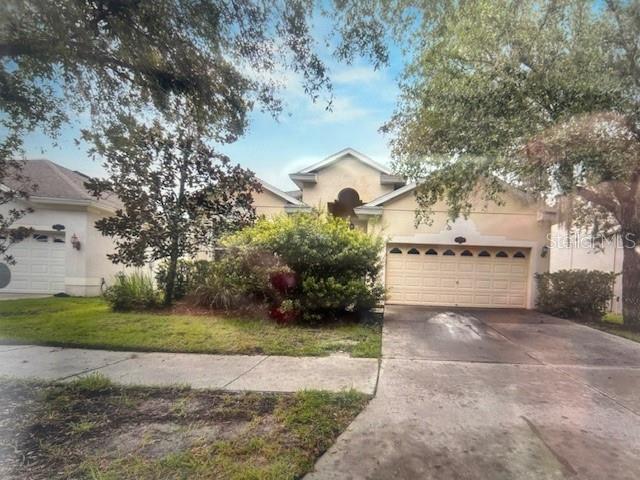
59,58
178,195
542,95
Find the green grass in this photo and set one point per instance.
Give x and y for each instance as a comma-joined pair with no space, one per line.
89,323
85,429
612,323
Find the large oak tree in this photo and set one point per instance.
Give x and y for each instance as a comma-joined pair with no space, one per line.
63,58
540,94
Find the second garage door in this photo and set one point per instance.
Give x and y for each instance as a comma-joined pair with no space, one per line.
457,275
40,264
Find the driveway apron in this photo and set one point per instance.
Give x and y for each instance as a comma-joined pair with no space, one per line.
494,394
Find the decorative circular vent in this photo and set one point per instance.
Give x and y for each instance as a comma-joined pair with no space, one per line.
5,275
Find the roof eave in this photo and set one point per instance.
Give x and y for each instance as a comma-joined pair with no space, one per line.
301,178
386,179
280,193
366,211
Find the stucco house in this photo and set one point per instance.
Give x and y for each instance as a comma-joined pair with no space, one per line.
65,253
487,260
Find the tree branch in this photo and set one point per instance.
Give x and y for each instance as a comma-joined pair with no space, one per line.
600,200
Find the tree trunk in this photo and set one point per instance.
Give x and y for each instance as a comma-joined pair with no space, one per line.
172,268
631,281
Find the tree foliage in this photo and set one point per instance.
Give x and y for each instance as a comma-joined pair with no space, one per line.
64,58
538,94
178,194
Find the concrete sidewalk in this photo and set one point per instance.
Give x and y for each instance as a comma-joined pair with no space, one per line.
226,372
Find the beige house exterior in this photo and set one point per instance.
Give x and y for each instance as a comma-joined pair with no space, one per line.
487,260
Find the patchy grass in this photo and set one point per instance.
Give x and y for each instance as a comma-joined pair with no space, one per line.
93,429
89,323
612,323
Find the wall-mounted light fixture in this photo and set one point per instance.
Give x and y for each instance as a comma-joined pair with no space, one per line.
544,251
75,242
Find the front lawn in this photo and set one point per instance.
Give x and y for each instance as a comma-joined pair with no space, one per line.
88,322
612,323
93,429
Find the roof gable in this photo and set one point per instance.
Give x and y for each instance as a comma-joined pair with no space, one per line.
331,159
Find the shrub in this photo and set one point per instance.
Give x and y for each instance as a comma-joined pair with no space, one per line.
238,278
133,291
335,267
189,274
578,294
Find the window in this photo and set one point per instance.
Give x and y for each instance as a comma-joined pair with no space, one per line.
519,255
395,250
448,253
58,239
39,237
466,253
484,253
413,251
501,254
431,251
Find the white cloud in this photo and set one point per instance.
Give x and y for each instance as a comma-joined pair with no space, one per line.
359,75
343,109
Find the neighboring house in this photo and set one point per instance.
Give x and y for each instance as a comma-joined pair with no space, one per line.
578,251
65,253
487,260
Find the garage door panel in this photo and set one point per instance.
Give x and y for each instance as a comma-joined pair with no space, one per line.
465,280
466,267
40,265
431,266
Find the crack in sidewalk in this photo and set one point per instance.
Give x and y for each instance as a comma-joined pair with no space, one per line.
244,373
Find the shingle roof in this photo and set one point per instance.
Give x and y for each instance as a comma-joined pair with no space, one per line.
53,181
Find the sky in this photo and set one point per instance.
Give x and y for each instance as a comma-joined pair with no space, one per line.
305,133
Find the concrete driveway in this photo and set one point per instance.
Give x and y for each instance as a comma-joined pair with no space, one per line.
495,395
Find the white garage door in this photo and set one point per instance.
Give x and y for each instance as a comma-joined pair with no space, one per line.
40,264
455,275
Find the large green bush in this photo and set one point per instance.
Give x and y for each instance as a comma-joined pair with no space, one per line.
133,291
336,267
578,294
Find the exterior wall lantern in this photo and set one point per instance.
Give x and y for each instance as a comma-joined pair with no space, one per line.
544,251
75,242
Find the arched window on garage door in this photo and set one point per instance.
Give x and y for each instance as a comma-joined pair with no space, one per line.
484,253
431,251
395,250
519,255
466,253
413,251
502,254
449,253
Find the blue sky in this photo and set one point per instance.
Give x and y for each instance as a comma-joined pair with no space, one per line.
363,99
